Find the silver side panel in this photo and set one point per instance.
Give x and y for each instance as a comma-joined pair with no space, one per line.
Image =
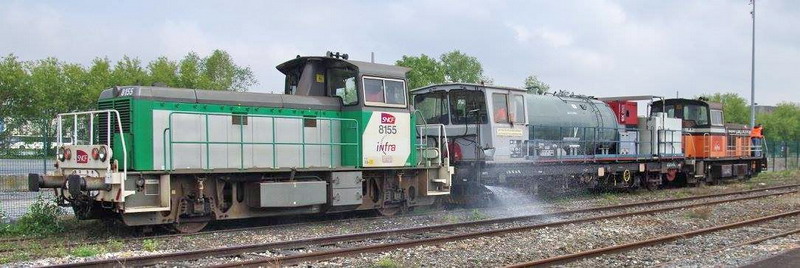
192,128
287,194
346,188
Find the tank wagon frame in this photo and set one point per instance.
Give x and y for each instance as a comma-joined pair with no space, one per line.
184,157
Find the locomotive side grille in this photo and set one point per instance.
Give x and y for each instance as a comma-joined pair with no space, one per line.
123,106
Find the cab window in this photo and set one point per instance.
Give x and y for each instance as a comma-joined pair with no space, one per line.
716,118
500,108
519,109
695,115
384,92
433,107
467,107
342,84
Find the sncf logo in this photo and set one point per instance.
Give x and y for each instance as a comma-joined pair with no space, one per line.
82,157
387,119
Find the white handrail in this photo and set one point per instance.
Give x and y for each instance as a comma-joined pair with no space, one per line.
91,131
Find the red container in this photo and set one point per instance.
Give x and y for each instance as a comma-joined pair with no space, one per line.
626,112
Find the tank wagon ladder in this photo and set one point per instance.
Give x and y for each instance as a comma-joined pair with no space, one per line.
91,115
170,142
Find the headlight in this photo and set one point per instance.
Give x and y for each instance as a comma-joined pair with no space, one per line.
60,154
102,154
95,153
67,154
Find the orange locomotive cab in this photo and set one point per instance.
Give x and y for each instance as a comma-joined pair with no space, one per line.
714,150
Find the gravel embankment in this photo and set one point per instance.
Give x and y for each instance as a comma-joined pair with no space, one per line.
549,242
482,252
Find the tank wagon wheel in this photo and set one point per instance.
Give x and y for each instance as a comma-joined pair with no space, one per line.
189,227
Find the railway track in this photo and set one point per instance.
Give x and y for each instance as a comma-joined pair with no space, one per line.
414,236
74,244
653,241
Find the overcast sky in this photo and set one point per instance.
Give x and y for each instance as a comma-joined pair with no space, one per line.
601,48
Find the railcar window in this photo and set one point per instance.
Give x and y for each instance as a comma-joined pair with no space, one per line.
433,107
716,117
500,107
342,84
467,107
519,109
385,92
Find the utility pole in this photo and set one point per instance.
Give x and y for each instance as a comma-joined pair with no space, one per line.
753,69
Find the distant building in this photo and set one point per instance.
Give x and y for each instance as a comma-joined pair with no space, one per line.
764,109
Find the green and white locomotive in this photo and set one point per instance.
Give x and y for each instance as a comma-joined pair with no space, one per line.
342,137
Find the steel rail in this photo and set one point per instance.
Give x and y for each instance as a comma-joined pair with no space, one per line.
648,242
227,251
750,242
323,255
255,228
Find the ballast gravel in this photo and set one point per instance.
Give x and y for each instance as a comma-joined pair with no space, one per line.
487,251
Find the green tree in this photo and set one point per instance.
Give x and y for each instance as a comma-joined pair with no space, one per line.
424,70
36,90
224,74
129,71
533,85
189,74
163,70
783,124
734,106
460,67
12,89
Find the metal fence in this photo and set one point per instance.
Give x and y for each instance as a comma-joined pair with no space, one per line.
783,155
20,155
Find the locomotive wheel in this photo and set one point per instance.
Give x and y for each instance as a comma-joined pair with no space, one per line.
389,211
189,227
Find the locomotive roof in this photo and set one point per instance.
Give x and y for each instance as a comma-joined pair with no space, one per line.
368,68
712,105
446,86
187,95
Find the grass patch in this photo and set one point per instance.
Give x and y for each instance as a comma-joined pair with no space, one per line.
150,245
386,263
86,251
115,245
44,218
450,218
702,213
476,215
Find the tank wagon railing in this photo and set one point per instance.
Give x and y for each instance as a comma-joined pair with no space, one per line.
91,115
587,143
441,139
170,142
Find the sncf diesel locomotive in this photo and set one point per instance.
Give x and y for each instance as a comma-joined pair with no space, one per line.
342,137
